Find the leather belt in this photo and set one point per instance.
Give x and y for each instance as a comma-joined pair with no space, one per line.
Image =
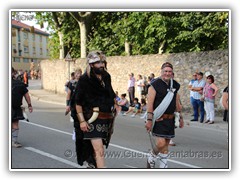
104,115
165,116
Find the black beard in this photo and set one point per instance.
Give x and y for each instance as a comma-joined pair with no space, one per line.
98,70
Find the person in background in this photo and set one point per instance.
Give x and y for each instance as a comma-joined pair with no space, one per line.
197,89
123,104
25,78
225,97
131,88
140,86
70,81
19,91
190,86
210,91
135,110
117,97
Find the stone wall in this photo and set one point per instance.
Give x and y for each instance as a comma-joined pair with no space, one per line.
56,72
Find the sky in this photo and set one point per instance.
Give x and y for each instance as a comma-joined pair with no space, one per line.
27,18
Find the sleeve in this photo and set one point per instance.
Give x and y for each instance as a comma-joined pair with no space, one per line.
70,86
203,83
153,84
191,82
226,89
23,89
178,86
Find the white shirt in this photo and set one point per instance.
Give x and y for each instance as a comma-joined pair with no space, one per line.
140,82
201,83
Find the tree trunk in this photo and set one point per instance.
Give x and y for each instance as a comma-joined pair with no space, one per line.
160,50
61,48
127,48
83,34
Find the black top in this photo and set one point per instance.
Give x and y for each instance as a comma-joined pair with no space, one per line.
18,91
91,93
161,91
72,86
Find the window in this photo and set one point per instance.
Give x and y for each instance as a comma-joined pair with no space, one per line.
25,60
41,51
34,50
25,35
40,38
14,48
26,50
16,59
33,37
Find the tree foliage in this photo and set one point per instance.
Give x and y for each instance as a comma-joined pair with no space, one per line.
146,32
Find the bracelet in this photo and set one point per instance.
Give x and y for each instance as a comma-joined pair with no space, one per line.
67,102
149,119
150,113
29,105
82,121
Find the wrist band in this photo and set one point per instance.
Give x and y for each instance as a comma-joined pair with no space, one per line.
149,119
29,105
150,113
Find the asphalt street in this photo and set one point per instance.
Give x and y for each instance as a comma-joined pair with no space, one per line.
47,141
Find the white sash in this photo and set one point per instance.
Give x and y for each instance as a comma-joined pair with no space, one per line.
162,107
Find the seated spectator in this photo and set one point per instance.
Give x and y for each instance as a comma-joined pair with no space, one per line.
135,110
123,104
117,97
143,105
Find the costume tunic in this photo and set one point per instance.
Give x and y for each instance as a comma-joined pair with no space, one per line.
164,128
18,91
90,93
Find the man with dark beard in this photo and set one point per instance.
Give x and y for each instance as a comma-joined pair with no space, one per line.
95,108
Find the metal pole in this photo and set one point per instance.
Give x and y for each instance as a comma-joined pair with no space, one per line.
69,70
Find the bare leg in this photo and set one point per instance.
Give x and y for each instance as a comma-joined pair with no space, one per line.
99,152
15,131
162,145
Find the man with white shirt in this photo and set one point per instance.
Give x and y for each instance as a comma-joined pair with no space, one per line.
197,88
190,86
131,88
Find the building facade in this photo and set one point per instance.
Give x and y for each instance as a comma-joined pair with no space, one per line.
29,46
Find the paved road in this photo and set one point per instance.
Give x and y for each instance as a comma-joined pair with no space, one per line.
47,142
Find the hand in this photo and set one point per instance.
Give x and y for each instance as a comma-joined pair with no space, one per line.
84,126
30,109
181,125
148,126
68,109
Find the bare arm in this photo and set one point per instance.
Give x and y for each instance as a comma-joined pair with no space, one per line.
83,123
28,100
151,98
178,103
197,88
190,86
68,94
225,100
215,89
